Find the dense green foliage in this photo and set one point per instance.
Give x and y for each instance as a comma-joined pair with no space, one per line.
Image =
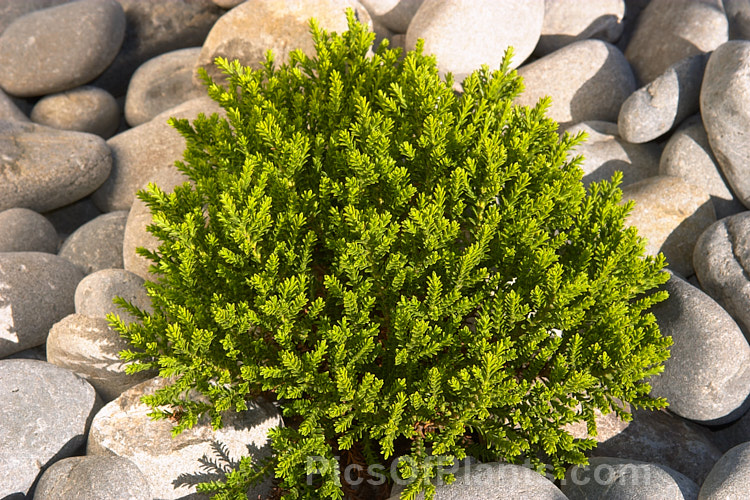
409,271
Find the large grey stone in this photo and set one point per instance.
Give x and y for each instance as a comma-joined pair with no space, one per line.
97,244
139,218
69,218
568,21
493,481
59,48
162,83
726,115
44,168
655,109
730,477
23,230
36,290
465,35
655,437
247,31
722,262
671,215
670,30
605,152
96,291
172,464
140,152
623,479
83,109
688,155
89,347
45,412
587,80
97,477
707,376
155,28
10,11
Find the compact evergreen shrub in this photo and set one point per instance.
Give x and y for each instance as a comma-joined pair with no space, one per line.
410,272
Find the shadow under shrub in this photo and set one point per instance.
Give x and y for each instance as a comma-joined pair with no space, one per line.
409,272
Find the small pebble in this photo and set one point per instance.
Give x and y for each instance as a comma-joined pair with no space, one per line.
657,108
24,230
604,153
568,21
83,109
730,477
97,477
97,244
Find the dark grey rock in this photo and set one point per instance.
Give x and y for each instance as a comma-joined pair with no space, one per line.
171,464
587,81
671,214
623,479
36,290
668,31
143,150
162,83
83,109
45,412
95,292
139,218
571,21
59,48
688,155
10,11
155,28
247,31
707,376
98,477
396,15
45,168
23,230
89,347
730,477
723,100
98,243
493,481
722,261
605,152
657,108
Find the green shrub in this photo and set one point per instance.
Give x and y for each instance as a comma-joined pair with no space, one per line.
408,271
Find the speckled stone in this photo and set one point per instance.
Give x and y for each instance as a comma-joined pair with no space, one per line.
83,109
95,292
730,477
587,80
97,244
671,214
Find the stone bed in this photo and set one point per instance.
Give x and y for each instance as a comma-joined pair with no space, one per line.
661,88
